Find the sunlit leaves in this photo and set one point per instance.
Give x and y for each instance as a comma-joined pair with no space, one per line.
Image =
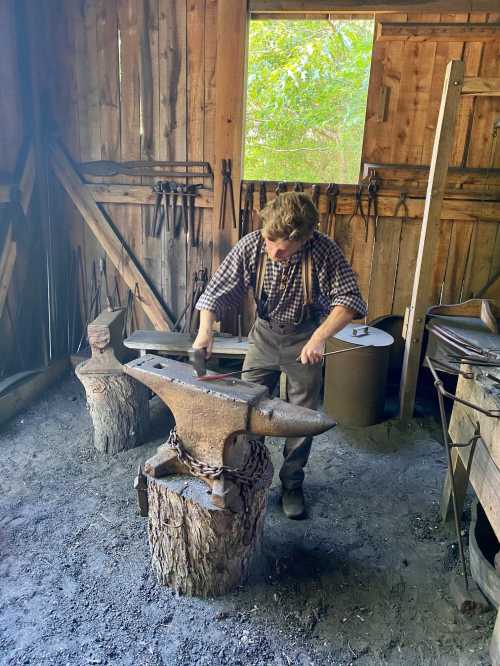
306,99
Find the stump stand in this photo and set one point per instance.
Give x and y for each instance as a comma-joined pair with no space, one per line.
118,404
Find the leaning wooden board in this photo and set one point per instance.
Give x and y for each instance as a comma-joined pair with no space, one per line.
180,344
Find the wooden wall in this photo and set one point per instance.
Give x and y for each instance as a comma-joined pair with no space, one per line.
136,80
413,74
164,79
22,276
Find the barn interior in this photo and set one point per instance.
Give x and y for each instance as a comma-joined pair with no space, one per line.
136,526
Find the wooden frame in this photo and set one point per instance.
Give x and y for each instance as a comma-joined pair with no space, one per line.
438,32
111,242
355,6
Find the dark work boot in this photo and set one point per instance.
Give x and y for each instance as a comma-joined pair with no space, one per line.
292,503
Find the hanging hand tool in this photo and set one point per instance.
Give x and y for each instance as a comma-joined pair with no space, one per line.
358,209
332,193
315,194
173,206
262,196
104,277
373,188
191,194
161,209
281,188
227,185
215,377
246,213
403,196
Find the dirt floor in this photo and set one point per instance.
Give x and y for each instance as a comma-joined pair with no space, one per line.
363,580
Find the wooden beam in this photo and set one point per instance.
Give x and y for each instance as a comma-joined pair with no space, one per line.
456,177
438,32
7,261
5,193
355,6
422,285
119,254
316,16
482,86
139,194
20,395
27,182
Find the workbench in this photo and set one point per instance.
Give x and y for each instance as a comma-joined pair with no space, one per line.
484,467
179,344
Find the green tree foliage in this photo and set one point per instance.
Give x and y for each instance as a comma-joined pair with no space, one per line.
306,99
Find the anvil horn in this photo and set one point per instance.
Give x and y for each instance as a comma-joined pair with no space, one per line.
276,418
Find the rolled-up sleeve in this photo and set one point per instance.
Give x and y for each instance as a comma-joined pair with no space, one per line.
227,285
339,284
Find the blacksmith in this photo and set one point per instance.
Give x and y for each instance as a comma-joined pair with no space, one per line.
305,292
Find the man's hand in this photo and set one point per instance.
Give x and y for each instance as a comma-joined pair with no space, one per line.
312,351
204,340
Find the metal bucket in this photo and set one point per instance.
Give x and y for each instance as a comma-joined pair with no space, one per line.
355,382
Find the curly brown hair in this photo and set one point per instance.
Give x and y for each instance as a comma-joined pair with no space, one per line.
290,216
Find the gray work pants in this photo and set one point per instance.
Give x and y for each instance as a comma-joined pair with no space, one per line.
270,349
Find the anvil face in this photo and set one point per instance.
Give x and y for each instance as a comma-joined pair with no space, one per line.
207,414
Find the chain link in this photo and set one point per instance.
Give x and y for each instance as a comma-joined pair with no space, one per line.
245,477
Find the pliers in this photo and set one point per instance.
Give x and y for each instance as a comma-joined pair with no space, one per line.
358,209
332,192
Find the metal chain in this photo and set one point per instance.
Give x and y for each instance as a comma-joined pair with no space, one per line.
245,477
251,471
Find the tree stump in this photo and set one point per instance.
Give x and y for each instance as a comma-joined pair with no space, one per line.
119,409
197,548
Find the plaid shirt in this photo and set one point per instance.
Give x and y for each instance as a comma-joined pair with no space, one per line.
334,282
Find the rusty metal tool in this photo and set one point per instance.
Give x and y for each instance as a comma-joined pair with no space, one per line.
332,193
198,359
315,194
205,442
373,188
227,186
262,195
215,377
358,209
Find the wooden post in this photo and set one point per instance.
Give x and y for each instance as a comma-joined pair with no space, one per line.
422,285
118,404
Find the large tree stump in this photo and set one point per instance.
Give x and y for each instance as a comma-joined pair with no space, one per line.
118,404
197,548
119,409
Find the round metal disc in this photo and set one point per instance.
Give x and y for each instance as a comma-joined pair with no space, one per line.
367,336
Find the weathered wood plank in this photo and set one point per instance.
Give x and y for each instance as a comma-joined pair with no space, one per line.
413,100
387,63
313,6
129,218
488,86
445,51
444,32
456,266
384,268
230,95
173,135
138,194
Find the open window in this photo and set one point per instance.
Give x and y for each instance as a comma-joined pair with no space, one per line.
307,85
